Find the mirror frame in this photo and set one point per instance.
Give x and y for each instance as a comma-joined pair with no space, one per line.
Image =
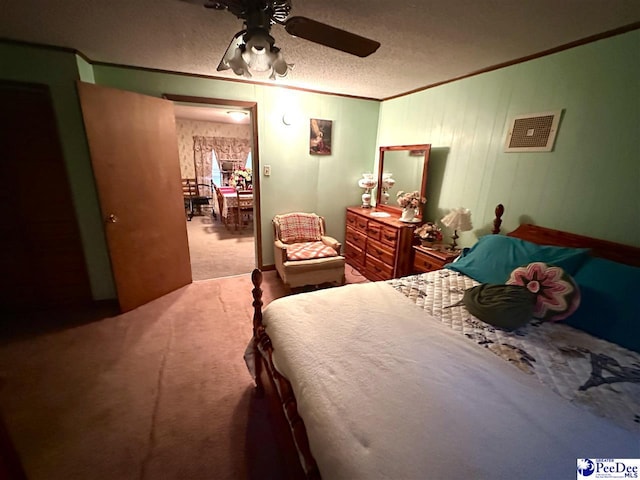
423,185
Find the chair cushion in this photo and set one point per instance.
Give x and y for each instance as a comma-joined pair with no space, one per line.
309,250
299,227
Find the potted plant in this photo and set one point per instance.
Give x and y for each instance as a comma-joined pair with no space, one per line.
429,233
240,178
409,201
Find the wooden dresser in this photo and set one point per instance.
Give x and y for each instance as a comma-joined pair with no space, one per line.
378,247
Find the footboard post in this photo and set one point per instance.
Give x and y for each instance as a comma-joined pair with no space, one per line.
258,328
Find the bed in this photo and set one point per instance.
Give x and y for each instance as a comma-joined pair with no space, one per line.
396,379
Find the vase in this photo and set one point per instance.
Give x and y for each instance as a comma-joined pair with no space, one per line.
408,214
429,240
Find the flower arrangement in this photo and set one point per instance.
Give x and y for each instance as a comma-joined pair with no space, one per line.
429,232
410,199
241,176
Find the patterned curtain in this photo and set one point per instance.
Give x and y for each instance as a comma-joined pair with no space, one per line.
227,149
202,148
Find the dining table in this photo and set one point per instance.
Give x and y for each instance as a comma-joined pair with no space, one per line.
230,200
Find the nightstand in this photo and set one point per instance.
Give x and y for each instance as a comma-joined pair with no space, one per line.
426,259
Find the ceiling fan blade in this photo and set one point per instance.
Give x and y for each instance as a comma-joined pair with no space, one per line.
202,3
329,36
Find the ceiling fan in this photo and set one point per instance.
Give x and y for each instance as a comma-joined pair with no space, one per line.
254,48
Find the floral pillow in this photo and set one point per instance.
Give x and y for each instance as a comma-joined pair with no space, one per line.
557,294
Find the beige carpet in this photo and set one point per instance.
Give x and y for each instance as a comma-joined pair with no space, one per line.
160,392
217,251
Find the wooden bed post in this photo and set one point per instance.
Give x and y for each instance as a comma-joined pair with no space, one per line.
258,328
498,220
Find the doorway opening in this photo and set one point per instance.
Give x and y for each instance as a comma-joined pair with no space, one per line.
223,241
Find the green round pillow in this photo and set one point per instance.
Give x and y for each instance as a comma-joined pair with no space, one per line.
505,306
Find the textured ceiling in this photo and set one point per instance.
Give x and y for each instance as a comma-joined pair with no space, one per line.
423,42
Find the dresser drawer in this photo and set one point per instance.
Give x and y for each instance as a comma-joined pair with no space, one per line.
425,263
356,238
374,230
375,268
389,236
352,220
354,256
357,222
381,252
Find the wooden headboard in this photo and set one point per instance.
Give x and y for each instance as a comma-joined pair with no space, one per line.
617,252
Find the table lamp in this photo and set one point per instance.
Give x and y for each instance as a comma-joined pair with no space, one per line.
368,183
387,183
457,219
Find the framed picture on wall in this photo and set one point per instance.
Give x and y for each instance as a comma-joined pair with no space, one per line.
320,137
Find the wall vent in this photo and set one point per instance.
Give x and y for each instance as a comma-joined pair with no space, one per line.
533,132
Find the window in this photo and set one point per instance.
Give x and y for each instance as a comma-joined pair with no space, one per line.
216,174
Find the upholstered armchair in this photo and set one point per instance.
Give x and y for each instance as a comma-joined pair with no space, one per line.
304,255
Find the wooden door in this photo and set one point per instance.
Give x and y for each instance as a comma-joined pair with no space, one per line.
134,153
42,264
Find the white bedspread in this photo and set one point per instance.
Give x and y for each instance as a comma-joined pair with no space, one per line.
386,392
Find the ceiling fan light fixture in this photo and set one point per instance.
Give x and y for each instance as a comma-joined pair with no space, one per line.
258,50
280,67
253,51
232,58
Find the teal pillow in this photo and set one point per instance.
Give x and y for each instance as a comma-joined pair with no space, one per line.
494,257
610,305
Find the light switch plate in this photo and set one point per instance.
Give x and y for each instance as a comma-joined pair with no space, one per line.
267,170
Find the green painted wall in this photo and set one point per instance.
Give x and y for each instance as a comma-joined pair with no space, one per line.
59,70
299,181
589,184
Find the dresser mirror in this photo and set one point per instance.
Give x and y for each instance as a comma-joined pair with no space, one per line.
401,168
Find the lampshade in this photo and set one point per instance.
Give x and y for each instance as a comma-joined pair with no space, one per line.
367,181
458,219
388,181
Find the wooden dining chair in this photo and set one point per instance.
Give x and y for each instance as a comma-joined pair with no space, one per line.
245,207
189,193
197,196
204,199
